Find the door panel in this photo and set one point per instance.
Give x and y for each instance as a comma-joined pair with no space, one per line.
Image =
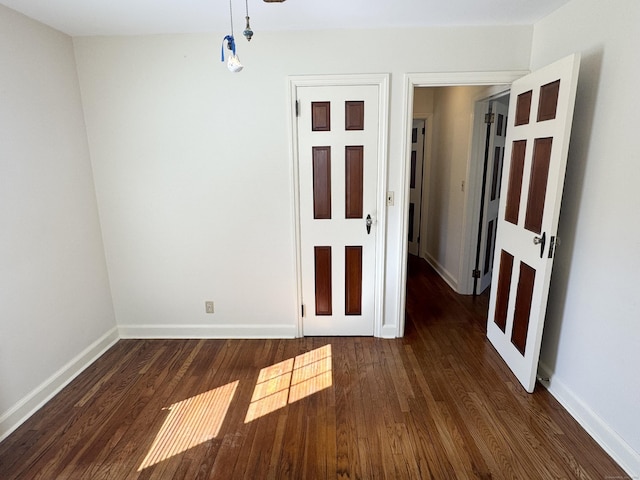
354,170
321,182
538,184
514,189
322,270
321,116
523,108
537,145
524,297
353,280
354,115
503,290
338,137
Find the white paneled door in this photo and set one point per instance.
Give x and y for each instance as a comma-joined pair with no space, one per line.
415,185
338,155
540,117
495,149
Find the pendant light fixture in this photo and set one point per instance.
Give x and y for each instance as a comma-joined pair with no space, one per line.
233,63
248,33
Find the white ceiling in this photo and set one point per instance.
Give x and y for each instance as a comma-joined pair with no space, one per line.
138,17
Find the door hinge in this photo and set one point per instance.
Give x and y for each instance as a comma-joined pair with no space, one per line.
555,241
302,310
297,108
422,130
489,118
475,274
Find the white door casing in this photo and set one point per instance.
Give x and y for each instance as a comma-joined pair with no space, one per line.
339,172
540,117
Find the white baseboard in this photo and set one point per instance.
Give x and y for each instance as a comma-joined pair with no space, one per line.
389,331
443,272
602,433
207,331
21,411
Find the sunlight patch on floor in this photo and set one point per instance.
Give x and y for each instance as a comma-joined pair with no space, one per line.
191,422
289,381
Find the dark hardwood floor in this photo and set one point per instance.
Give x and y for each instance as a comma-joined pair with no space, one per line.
437,403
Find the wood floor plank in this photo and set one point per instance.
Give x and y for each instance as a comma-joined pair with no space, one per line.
122,360
127,442
263,446
436,404
64,433
377,442
428,446
149,399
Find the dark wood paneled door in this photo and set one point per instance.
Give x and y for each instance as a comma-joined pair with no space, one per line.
540,117
338,155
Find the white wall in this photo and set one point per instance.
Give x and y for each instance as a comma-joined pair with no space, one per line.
452,133
192,166
591,345
54,293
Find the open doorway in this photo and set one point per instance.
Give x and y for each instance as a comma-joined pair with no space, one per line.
536,155
452,207
487,84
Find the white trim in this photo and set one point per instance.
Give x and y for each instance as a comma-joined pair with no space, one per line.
382,82
31,403
206,331
381,243
451,79
388,331
603,434
443,272
295,194
412,80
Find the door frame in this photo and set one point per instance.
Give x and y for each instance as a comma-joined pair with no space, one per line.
382,82
440,79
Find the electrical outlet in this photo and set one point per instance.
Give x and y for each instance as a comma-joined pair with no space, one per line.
208,306
390,199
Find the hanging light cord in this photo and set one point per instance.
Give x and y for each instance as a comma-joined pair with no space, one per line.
231,44
234,64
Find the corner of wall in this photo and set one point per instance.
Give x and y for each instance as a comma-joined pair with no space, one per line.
20,412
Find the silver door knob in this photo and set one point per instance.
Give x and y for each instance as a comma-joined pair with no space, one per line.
541,241
368,223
